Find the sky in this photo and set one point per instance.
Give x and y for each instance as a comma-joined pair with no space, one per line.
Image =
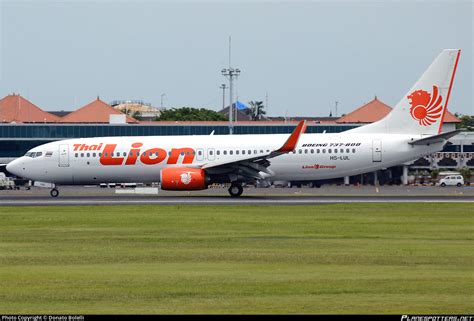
305,55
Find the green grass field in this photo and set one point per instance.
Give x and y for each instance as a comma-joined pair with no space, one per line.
361,258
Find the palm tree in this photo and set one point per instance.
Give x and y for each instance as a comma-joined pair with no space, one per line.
256,109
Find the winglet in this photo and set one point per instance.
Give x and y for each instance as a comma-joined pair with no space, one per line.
291,142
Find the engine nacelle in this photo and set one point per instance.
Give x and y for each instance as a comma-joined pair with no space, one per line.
182,179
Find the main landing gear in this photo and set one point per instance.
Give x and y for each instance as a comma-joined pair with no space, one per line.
235,190
54,192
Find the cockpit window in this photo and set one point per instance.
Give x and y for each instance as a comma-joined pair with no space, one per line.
33,154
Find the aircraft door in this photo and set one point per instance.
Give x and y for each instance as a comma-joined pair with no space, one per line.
376,150
211,154
64,155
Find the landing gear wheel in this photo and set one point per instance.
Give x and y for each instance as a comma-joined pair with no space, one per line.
235,190
54,192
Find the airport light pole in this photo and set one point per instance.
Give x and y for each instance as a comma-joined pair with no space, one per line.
231,74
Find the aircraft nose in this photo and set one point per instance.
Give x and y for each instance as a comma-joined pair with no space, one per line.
14,167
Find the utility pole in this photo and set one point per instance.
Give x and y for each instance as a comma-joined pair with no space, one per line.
223,87
231,74
162,95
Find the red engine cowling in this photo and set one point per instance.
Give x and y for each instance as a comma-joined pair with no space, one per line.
182,179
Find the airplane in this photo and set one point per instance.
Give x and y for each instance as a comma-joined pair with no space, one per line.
183,163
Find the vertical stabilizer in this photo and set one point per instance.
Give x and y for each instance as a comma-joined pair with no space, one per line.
422,109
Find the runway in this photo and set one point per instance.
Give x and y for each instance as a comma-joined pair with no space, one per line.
76,195
221,200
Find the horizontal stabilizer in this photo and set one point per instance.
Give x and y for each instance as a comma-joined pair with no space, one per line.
435,139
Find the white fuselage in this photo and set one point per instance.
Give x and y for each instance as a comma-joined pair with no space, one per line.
317,156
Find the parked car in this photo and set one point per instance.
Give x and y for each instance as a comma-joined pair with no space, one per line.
451,180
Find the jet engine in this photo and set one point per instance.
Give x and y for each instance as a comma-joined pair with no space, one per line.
183,179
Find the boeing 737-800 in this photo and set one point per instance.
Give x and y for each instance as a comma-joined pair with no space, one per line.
411,130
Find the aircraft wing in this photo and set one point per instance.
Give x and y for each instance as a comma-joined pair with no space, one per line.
250,167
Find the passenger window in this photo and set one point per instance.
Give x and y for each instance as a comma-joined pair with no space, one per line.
306,151
82,154
225,152
317,151
348,150
300,151
324,151
88,155
218,152
231,152
100,154
243,152
335,150
329,150
353,150
250,152
76,154
312,151
211,152
236,152
261,151
341,150
199,153
255,152
93,155
124,154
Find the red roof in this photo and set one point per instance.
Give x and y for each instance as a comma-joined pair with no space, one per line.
376,110
94,112
368,113
16,109
450,118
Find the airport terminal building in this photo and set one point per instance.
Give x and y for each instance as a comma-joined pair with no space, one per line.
24,126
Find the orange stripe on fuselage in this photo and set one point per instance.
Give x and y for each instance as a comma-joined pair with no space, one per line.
449,92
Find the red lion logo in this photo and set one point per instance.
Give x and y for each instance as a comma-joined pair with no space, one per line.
426,109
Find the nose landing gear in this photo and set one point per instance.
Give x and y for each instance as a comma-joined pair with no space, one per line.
54,192
235,190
